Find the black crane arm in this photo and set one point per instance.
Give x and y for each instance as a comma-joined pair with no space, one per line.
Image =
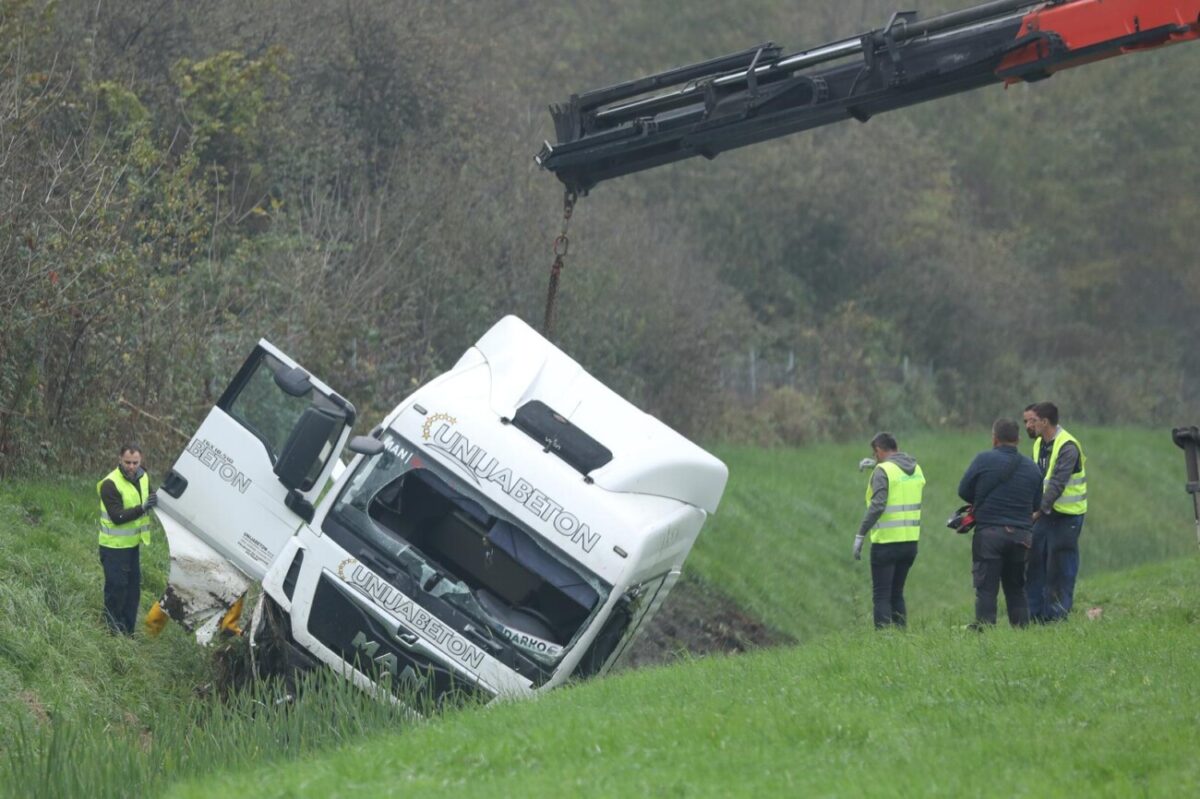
761,93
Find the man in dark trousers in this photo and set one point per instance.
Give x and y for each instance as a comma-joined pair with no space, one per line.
125,501
1005,488
893,521
1058,522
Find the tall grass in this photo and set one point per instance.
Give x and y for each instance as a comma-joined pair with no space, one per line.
266,723
57,662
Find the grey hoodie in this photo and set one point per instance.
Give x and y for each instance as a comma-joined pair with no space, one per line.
879,489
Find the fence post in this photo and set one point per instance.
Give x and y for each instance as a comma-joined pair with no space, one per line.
753,376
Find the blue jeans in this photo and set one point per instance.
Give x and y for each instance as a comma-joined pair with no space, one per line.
1053,566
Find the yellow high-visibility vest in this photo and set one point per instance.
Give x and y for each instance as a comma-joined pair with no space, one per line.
1073,501
129,534
901,519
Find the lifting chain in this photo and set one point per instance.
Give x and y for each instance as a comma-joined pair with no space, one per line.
561,245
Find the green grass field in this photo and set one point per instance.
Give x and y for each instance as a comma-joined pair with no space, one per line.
1106,707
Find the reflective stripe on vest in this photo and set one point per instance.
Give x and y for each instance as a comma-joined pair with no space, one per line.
1073,501
131,533
901,518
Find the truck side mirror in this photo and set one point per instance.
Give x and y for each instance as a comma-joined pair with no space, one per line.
294,382
365,445
1188,439
303,447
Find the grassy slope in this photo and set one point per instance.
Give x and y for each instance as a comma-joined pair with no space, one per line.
55,658
84,713
780,543
1105,708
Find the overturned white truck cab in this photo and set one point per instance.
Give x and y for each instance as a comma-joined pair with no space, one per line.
510,525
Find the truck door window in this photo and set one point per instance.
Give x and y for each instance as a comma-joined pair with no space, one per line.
262,407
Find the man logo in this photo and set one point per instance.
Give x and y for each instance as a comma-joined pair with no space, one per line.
388,664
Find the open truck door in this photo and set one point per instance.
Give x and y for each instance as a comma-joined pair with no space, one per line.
246,482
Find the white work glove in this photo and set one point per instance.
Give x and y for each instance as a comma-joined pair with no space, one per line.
151,501
866,463
858,545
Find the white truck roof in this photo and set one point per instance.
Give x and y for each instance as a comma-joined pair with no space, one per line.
648,456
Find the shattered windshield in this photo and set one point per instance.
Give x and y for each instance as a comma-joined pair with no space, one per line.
454,545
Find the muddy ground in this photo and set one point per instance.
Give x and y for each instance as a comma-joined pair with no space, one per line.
698,620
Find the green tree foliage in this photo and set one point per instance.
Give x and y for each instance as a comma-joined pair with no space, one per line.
353,181
223,100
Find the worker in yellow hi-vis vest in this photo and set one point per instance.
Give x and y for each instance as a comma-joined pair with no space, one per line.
1054,558
893,522
125,503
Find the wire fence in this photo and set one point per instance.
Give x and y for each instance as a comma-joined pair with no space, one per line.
750,373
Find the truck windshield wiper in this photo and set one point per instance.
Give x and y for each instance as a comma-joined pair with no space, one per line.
379,564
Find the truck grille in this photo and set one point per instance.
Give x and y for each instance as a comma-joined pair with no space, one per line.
341,623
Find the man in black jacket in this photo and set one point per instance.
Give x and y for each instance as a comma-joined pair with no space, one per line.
1005,488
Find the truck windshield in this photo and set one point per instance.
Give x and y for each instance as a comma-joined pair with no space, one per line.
454,545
